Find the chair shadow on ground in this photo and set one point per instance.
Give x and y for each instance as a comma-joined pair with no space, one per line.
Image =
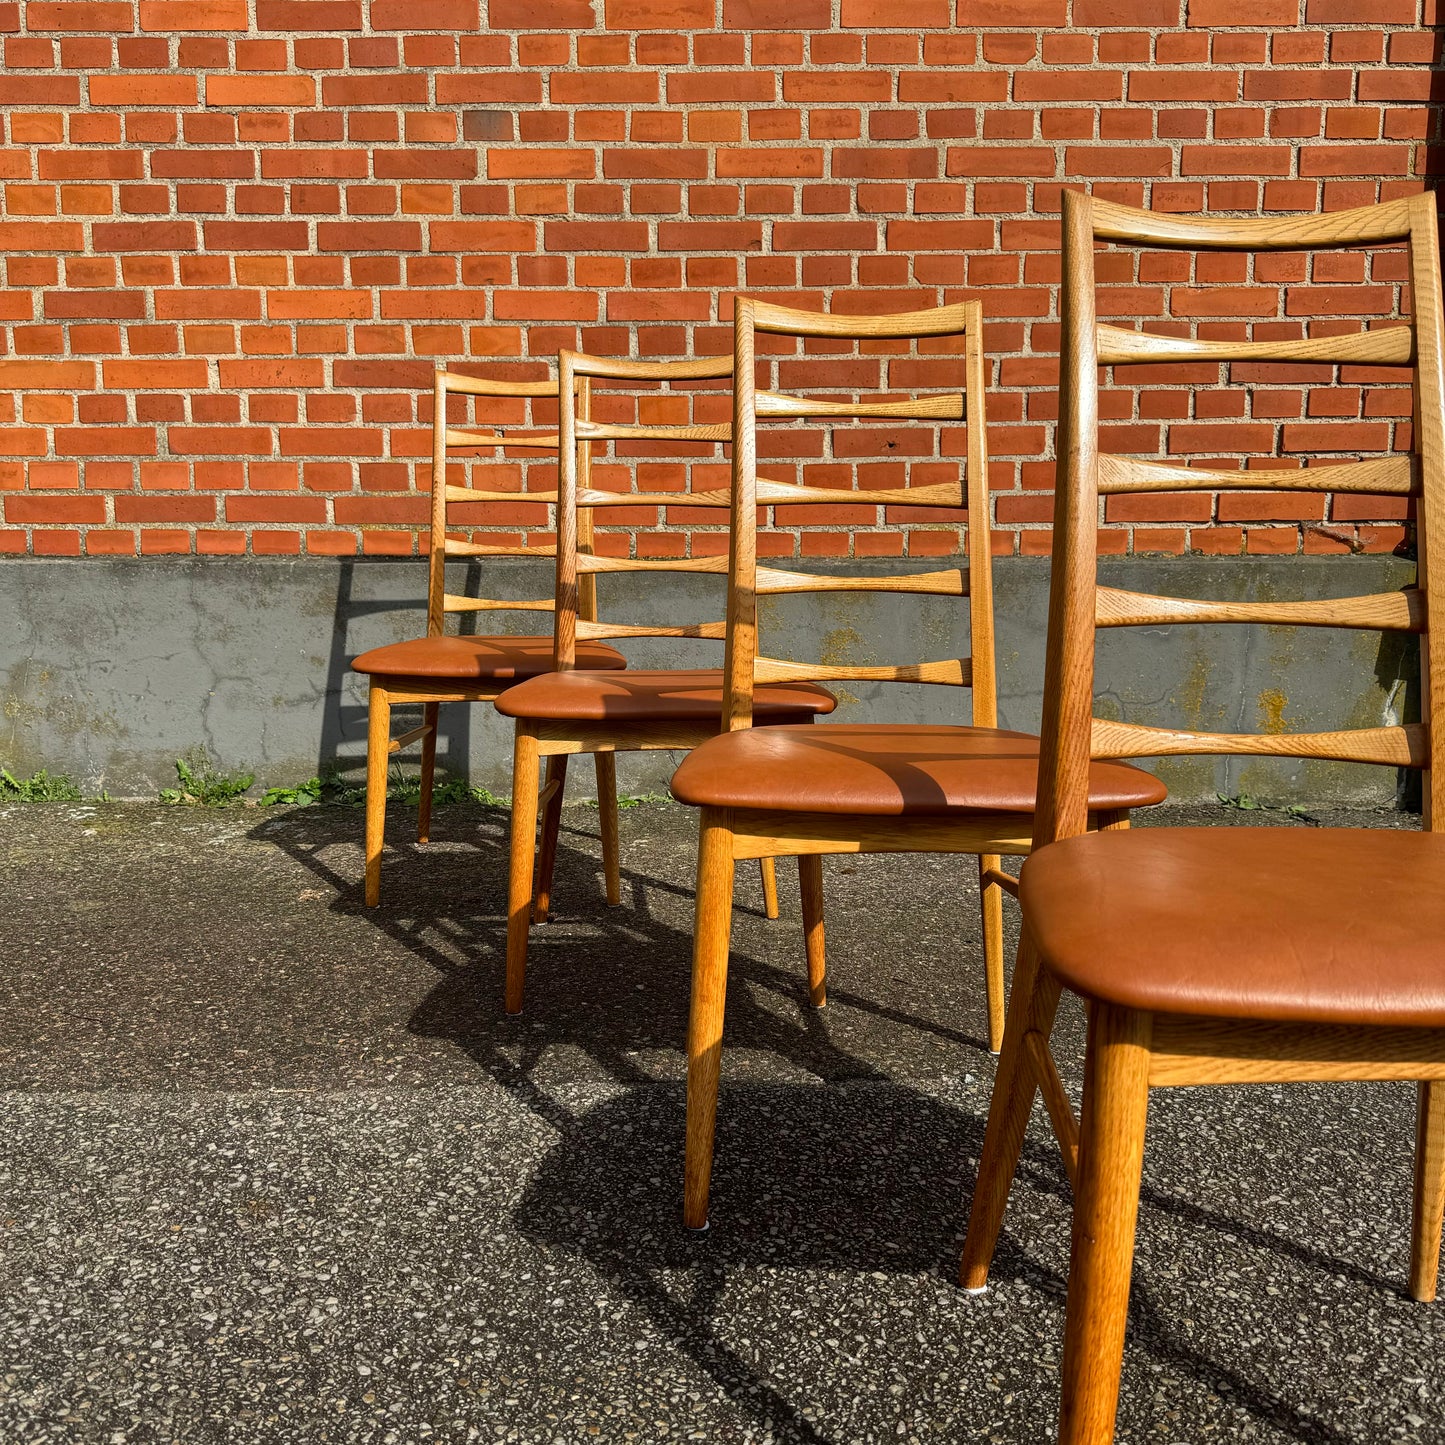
838,1178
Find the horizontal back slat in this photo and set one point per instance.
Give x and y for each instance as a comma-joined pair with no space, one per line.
953,671
471,494
457,548
941,494
587,630
946,406
455,603
459,437
616,431
772,580
592,497
1389,346
485,386
1381,476
1385,611
1402,747
942,321
1364,224
621,368
716,566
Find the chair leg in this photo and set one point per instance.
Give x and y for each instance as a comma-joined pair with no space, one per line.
525,766
607,816
1032,1007
712,930
428,771
770,886
991,901
551,822
378,755
1111,1158
1429,1191
810,885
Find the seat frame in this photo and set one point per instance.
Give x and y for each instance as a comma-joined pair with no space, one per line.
430,692
1129,1051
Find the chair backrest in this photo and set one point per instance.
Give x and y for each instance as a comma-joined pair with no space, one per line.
451,505
578,565
958,327
1078,606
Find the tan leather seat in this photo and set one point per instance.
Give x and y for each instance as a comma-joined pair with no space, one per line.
477,658
1326,926
642,696
886,770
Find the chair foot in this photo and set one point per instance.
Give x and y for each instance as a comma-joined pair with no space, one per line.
525,767
378,753
810,886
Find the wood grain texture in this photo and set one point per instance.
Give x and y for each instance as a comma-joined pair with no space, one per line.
948,406
1392,346
1429,1195
950,672
1400,747
1402,611
1380,476
952,583
1106,1206
1392,221
758,833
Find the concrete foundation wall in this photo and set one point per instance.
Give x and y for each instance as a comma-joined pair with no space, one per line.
110,670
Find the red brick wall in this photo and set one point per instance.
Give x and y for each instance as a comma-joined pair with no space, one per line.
233,250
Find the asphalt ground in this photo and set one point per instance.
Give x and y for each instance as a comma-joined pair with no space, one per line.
277,1168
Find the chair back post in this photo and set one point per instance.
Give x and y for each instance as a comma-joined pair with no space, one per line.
1429,430
742,602
564,616
1069,668
437,544
586,541
980,533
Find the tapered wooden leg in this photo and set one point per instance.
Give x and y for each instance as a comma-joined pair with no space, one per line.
607,819
1111,1157
519,884
1429,1191
1032,1006
712,929
551,823
378,740
991,900
770,886
428,770
810,885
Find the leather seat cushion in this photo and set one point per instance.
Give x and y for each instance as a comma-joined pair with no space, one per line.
641,696
887,770
477,658
1327,925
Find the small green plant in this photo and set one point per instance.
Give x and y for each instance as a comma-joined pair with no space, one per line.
40,787
203,785
331,789
634,800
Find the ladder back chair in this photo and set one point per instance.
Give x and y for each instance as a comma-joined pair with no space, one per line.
766,790
1219,955
441,666
579,709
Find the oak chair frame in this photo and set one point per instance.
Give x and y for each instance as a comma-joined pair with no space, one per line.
575,611
1129,1051
729,834
431,692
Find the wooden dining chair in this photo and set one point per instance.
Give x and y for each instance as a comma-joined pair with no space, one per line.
442,666
579,709
1219,955
766,790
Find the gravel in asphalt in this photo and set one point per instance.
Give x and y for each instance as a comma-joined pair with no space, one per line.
277,1168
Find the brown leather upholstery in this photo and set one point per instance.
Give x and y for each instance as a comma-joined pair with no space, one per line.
887,770
477,658
639,696
1322,925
